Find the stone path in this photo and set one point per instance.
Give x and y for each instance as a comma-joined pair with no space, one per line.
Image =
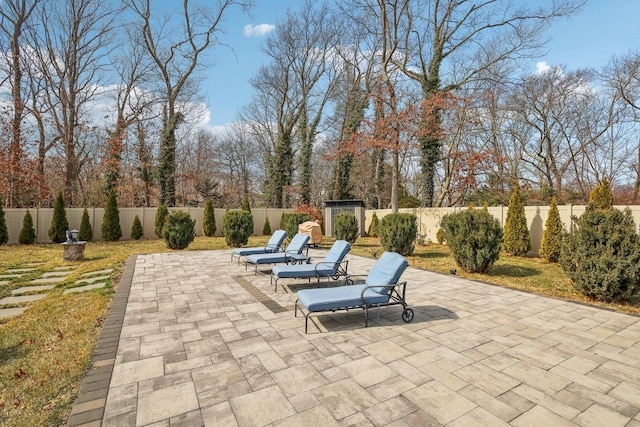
38,288
194,340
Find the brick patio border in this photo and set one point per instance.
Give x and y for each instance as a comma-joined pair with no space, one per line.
88,408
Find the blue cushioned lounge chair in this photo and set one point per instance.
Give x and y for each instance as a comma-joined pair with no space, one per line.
295,247
381,288
332,266
273,245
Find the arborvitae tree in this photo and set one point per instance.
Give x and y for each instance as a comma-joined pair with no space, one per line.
136,229
86,231
4,232
111,230
266,230
374,227
601,197
516,233
27,233
245,204
551,244
59,223
161,216
209,219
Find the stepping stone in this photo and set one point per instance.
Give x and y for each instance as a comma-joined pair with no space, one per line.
20,270
47,280
4,282
84,288
64,268
11,276
91,273
92,279
10,312
26,289
55,274
23,298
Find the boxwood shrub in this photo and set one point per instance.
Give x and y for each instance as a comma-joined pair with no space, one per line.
346,227
179,230
475,239
237,226
398,232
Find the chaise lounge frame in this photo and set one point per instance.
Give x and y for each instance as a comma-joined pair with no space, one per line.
360,296
333,266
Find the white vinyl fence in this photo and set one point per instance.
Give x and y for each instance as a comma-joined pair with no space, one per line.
428,219
42,220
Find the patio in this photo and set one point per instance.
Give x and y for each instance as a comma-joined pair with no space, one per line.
193,339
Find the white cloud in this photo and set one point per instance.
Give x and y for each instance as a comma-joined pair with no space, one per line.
259,30
542,67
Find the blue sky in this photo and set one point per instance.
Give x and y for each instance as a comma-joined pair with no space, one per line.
589,39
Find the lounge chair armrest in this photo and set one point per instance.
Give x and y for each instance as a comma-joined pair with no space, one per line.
334,265
389,288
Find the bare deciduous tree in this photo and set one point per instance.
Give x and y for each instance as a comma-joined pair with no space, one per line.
177,53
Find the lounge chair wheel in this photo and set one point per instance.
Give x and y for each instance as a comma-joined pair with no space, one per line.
335,277
407,315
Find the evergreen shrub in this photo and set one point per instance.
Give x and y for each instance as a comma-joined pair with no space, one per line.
27,234
237,226
136,229
551,244
161,216
374,226
602,255
398,232
178,230
245,204
516,233
475,239
85,233
346,227
59,224
601,197
4,231
111,230
289,222
441,236
209,219
266,229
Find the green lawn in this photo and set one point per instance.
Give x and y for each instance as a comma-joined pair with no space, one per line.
45,351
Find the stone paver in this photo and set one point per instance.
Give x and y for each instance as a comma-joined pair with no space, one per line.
11,276
25,289
10,312
92,279
97,272
4,282
61,273
202,342
21,299
84,288
20,270
46,280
